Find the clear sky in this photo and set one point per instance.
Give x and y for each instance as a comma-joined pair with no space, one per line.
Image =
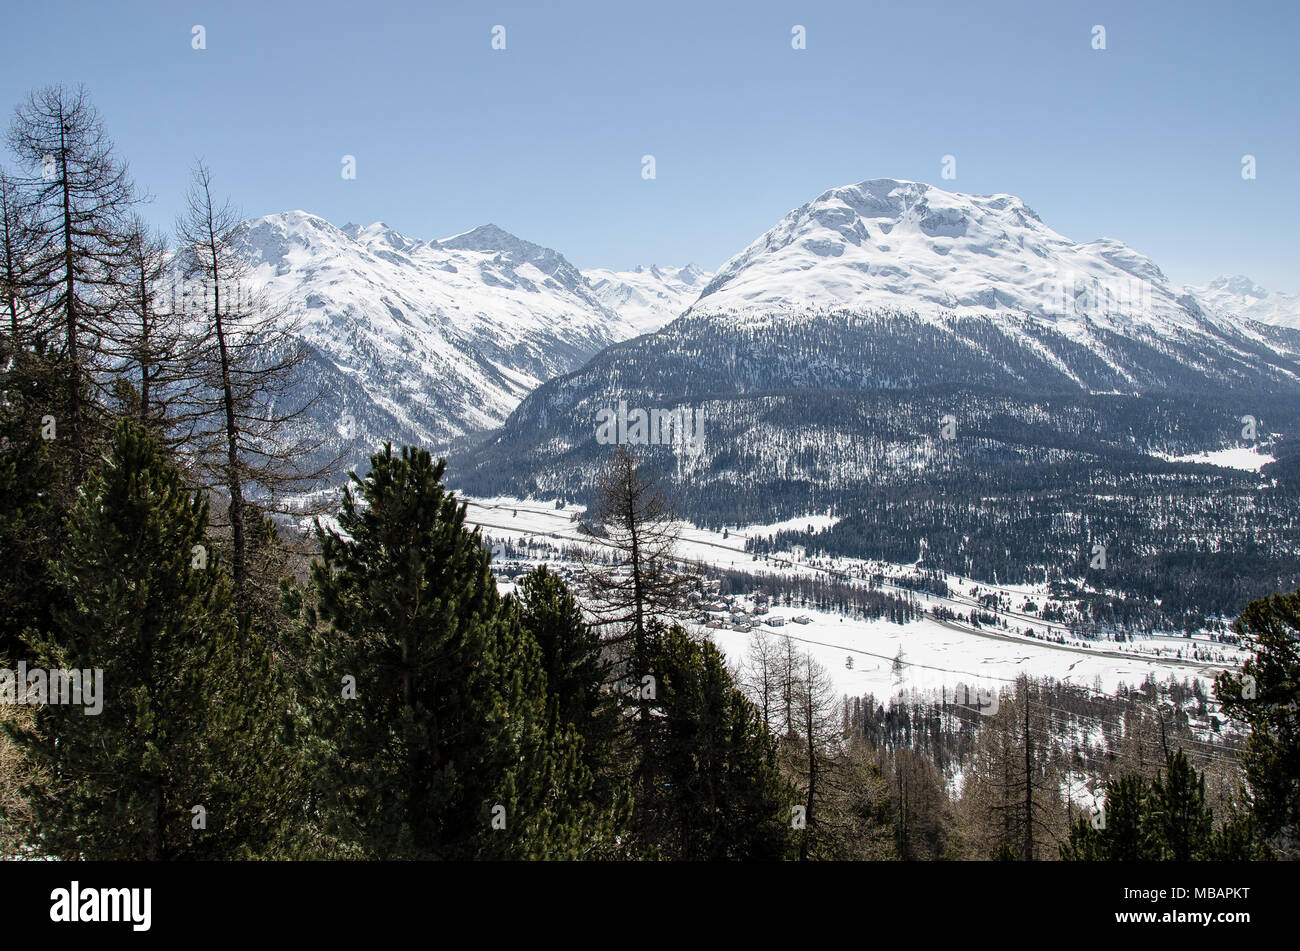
1142,141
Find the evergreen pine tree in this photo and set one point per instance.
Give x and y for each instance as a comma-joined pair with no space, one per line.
1266,694
1178,817
1122,835
570,646
716,790
1238,839
184,722
571,658
1165,819
33,495
439,746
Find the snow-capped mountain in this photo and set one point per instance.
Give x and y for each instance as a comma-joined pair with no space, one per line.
1098,313
823,354
424,341
900,245
1241,297
648,297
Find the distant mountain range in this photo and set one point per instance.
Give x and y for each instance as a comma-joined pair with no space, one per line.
1241,297
648,297
901,287
428,342
900,284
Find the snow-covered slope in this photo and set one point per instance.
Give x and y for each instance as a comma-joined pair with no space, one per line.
648,297
1241,297
424,341
891,244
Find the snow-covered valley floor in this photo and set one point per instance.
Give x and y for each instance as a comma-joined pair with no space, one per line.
863,656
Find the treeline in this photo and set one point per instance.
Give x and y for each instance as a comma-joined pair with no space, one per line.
1181,550
1099,732
1032,772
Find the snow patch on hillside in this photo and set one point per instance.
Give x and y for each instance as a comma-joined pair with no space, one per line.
815,523
1244,458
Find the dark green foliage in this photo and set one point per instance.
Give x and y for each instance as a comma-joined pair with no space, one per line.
36,491
1180,820
1163,820
448,729
571,659
1266,694
569,646
1126,836
714,790
186,720
1238,839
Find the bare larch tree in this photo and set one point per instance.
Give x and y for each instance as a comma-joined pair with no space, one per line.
645,581
249,435
15,260
80,197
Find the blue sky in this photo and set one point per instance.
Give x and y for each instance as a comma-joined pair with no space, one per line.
1142,141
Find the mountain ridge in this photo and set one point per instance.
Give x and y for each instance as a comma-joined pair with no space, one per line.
1239,296
422,341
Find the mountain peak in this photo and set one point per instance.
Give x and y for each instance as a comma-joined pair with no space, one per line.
294,219
1239,296
506,247
488,237
897,196
1237,284
270,237
889,243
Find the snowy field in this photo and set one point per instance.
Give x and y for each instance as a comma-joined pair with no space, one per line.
1245,458
936,657
861,654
